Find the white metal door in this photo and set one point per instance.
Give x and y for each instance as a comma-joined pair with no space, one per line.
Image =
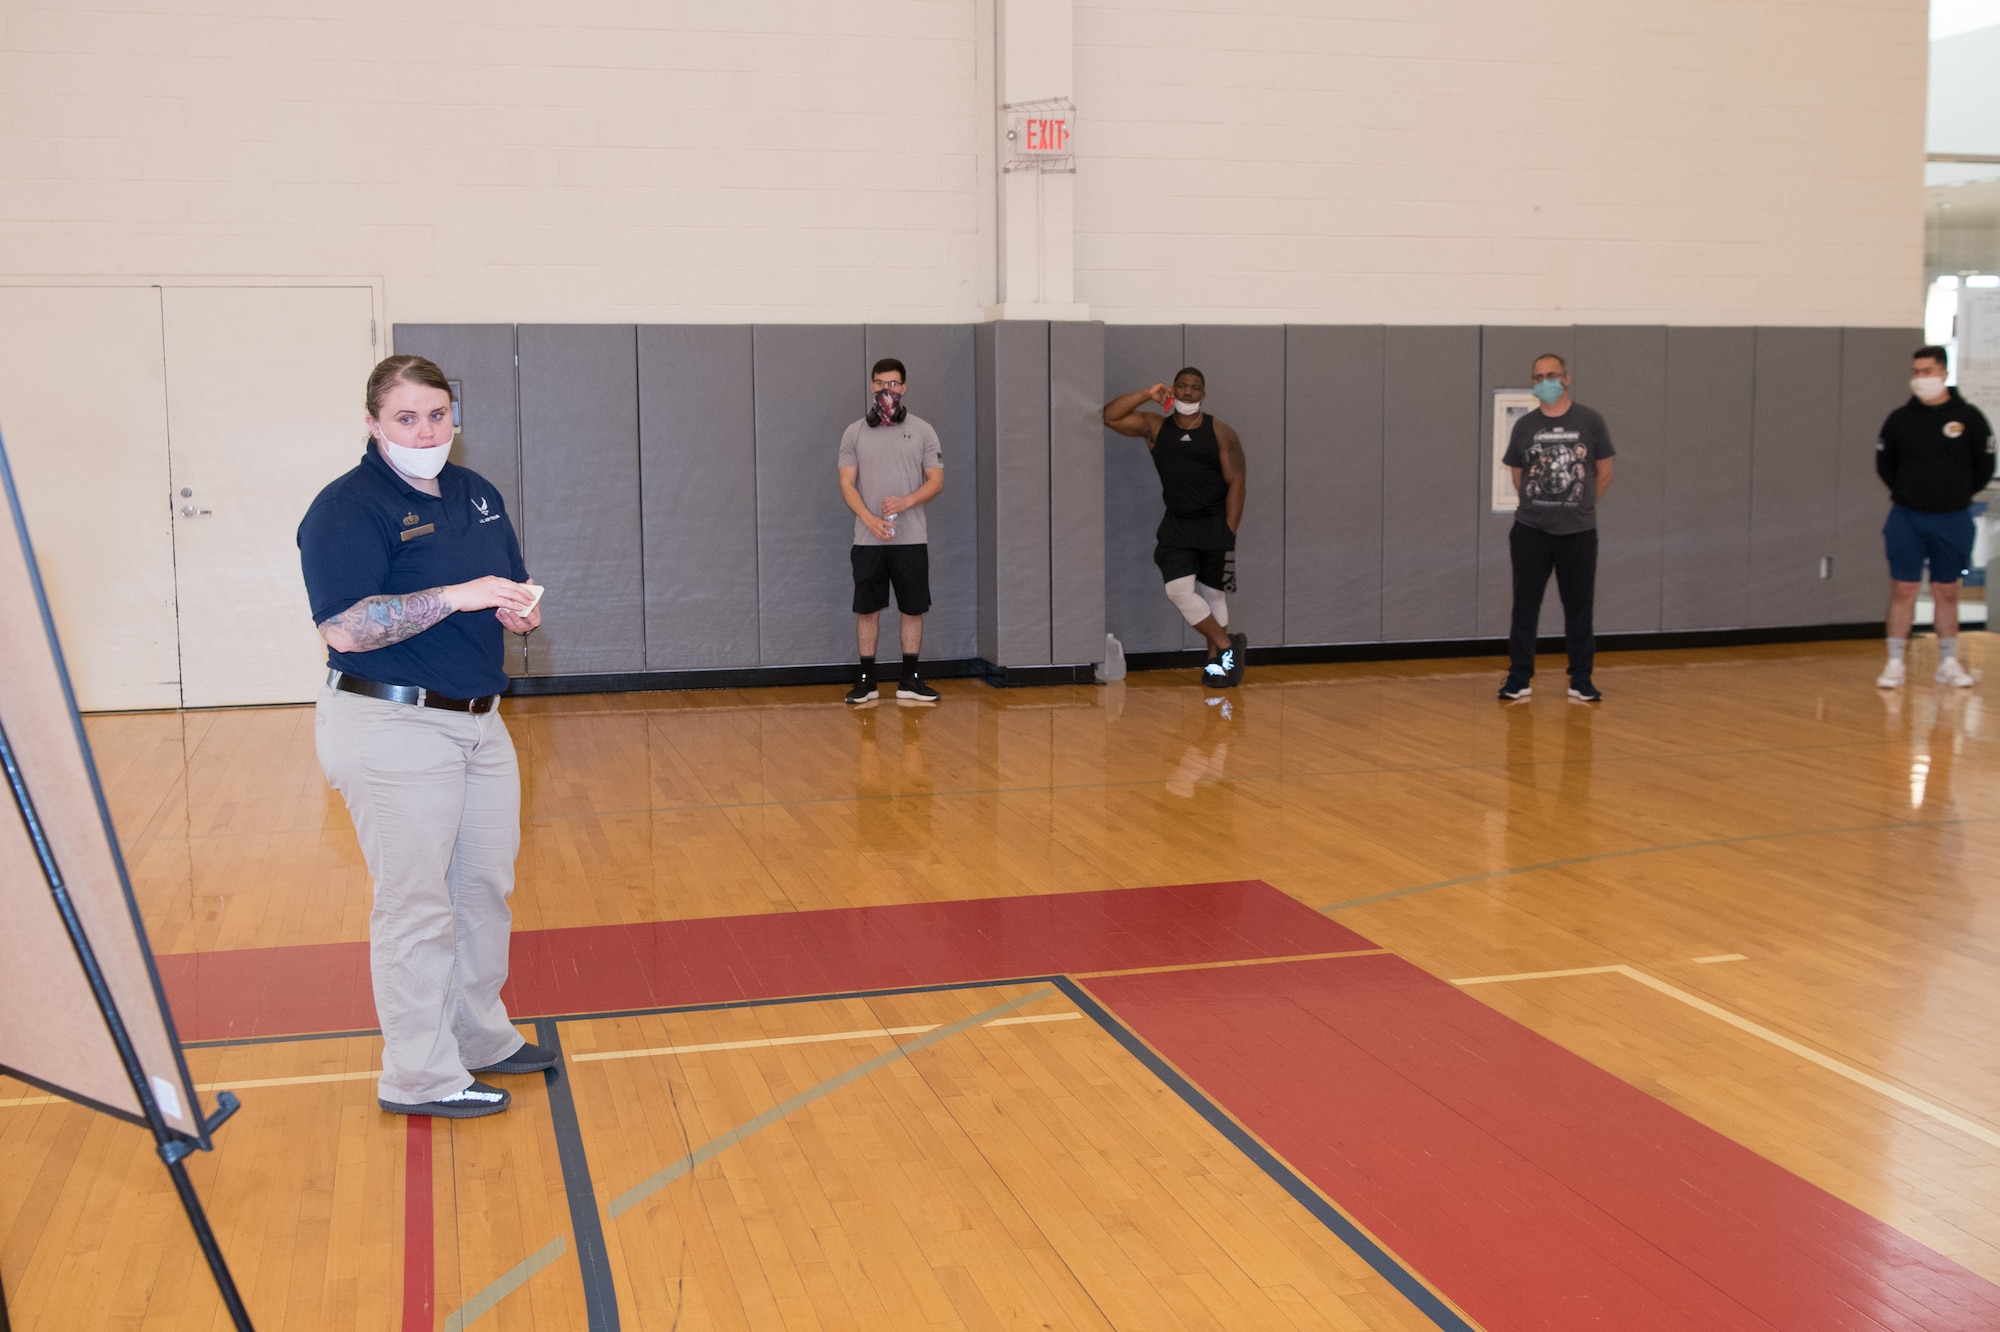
264,407
83,408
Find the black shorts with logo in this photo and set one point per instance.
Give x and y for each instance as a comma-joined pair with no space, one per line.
1201,546
878,568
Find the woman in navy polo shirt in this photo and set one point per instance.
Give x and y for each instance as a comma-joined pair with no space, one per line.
415,575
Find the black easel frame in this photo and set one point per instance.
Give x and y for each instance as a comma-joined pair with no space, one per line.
173,1145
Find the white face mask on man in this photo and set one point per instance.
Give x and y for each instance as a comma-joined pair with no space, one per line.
421,464
1928,388
1188,408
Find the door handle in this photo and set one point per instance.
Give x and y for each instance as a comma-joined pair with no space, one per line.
189,511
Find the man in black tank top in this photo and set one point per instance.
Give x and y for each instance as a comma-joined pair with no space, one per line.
1202,478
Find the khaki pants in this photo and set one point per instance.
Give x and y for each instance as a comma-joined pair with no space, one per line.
436,802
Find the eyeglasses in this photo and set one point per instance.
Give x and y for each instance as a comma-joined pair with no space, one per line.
1553,374
887,383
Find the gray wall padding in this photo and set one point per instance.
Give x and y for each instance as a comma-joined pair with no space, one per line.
1794,475
1506,360
481,358
1874,381
1245,367
1432,466
1705,497
580,492
811,383
1136,356
939,359
1622,372
698,463
1076,493
985,412
1333,484
1014,493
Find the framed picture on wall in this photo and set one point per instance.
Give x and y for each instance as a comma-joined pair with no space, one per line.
1509,406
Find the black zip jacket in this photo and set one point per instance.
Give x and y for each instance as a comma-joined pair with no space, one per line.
1935,459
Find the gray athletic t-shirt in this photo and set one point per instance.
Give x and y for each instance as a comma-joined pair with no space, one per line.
1558,458
891,460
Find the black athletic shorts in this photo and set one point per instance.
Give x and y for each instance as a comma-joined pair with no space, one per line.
1215,568
878,568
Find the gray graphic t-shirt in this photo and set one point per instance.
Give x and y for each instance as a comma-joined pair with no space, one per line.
1558,458
891,460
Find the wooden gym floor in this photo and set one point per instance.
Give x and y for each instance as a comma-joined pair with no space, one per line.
1352,999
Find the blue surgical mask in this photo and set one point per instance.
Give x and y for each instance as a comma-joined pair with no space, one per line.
1548,390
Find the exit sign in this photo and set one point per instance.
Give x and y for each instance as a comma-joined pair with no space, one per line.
1039,136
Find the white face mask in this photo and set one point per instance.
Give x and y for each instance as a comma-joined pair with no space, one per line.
1190,408
422,464
1927,388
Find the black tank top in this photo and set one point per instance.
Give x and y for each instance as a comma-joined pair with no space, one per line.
1189,461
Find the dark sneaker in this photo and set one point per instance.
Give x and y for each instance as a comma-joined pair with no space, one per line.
530,1058
862,692
1239,646
476,1100
913,687
1215,674
1583,691
1515,690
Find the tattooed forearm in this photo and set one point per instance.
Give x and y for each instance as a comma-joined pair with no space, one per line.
376,622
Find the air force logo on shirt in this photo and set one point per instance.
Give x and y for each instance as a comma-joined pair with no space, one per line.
486,515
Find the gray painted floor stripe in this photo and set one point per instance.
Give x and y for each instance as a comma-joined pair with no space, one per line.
506,1285
646,1188
1651,850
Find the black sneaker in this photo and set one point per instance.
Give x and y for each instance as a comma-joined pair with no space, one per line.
530,1058
913,687
1583,691
1515,690
1239,645
862,692
476,1100
1215,675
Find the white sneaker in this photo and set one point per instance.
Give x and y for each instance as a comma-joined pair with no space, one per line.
1949,672
1892,676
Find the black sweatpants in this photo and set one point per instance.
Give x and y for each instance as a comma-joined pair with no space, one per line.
1574,559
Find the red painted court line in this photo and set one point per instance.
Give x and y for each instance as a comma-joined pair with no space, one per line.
419,1239
1534,1189
595,969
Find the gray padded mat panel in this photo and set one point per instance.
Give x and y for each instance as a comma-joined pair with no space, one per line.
1076,493
580,492
481,358
1433,462
811,383
1506,357
1333,483
1135,609
1017,462
939,359
698,467
1622,372
1874,381
1245,366
985,407
1705,495
1794,486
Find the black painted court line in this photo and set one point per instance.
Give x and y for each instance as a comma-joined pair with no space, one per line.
1405,1281
600,1293
233,1041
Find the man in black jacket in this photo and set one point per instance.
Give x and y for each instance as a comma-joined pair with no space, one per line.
1935,454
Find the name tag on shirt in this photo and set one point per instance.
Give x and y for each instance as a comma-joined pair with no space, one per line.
425,530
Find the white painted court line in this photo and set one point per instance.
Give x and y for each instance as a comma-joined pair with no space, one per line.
877,1033
1725,957
1950,1118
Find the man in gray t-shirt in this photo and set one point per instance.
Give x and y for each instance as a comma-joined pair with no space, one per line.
890,467
1560,456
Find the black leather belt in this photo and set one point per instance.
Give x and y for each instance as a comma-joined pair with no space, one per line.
411,694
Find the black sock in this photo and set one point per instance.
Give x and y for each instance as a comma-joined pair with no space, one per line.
867,665
909,665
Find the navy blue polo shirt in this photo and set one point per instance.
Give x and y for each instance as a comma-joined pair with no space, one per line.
371,532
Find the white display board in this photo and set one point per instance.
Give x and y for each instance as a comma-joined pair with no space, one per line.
1979,348
1509,406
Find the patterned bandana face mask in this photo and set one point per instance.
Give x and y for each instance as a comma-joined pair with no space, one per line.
888,407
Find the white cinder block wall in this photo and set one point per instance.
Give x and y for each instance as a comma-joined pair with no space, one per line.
1437,161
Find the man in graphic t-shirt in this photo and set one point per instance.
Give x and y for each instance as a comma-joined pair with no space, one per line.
1560,455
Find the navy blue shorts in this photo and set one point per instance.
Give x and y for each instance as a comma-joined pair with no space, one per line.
1913,537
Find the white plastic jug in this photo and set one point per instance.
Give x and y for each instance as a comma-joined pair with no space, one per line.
1113,665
